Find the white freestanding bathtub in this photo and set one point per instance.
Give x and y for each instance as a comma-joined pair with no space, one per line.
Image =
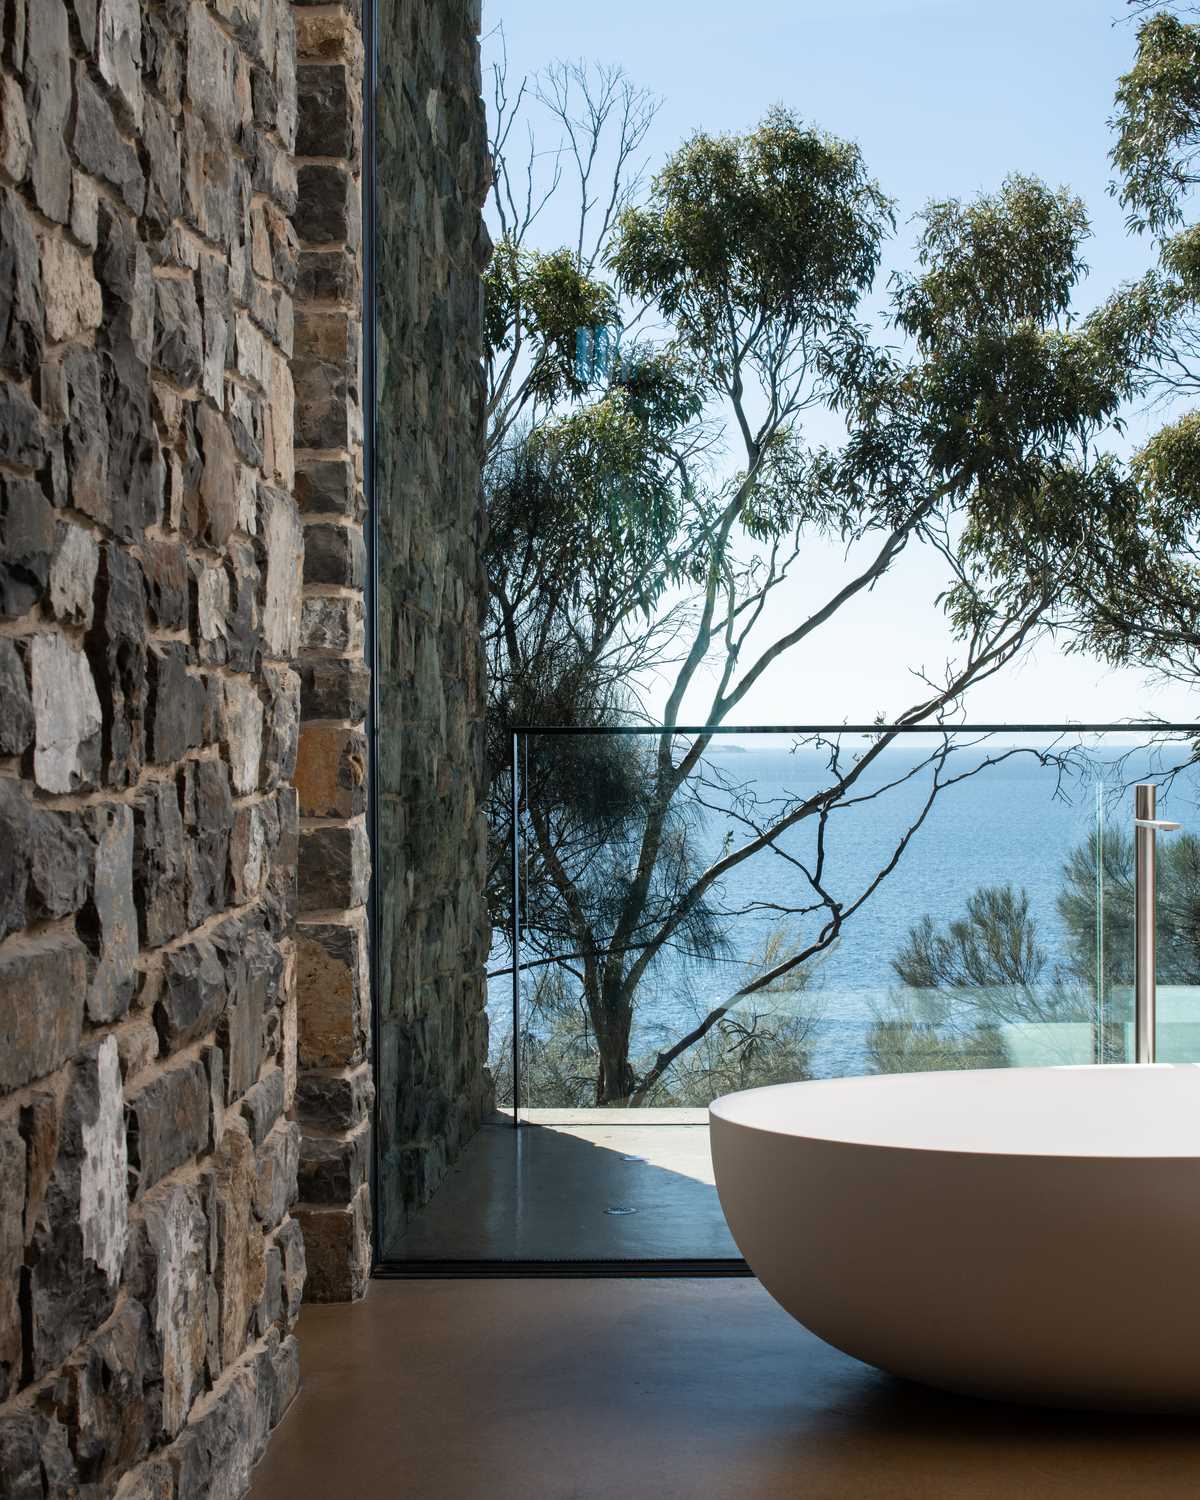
1027,1234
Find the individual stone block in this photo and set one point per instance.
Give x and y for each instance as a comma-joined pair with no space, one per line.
16,706
279,445
244,411
22,310
211,509
331,771
275,1166
67,717
164,187
262,1105
290,1240
243,631
123,266
214,1453
208,817
26,546
22,430
175,703
335,555
242,732
193,993
86,437
240,1270
117,650
178,330
168,1123
248,857
337,1250
328,276
16,143
333,1168
170,1277
79,1241
334,624
52,853
217,311
35,1458
334,688
326,374
335,867
211,74
85,211
12,1254
43,981
327,100
282,725
252,966
335,1101
100,147
119,54
326,212
281,550
158,863
283,839
333,984
165,565
328,486
152,1480
72,294
286,1360
107,1395
73,570
108,922
48,101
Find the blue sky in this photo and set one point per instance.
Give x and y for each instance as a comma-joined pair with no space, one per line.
945,97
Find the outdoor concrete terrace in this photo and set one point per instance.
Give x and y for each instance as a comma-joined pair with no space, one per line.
585,1184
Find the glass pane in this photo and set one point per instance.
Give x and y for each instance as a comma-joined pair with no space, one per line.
705,913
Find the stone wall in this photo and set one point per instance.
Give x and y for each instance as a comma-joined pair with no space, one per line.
150,622
335,1091
431,248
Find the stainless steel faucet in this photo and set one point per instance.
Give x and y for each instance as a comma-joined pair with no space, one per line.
1146,828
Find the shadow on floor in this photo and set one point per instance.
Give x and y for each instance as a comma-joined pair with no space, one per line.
600,1190
646,1389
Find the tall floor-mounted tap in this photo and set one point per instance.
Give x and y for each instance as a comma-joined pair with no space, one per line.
1146,828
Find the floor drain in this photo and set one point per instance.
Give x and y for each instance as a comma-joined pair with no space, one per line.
618,1211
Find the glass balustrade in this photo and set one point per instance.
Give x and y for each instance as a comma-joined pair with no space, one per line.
702,912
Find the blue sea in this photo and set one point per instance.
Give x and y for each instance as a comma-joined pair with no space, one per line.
1009,823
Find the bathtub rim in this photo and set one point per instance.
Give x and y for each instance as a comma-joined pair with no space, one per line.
719,1113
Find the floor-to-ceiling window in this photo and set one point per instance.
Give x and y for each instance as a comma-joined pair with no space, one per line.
838,588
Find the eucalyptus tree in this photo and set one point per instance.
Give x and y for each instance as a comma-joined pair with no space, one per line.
1127,543
648,515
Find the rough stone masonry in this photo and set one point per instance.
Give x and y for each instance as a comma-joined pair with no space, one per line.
151,554
185,1074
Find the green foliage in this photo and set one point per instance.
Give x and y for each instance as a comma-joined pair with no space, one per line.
909,1039
782,224
1158,122
992,946
1178,909
540,301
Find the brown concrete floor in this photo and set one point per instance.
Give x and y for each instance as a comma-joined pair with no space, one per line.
577,1187
662,1390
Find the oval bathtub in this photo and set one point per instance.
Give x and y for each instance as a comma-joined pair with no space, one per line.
1027,1234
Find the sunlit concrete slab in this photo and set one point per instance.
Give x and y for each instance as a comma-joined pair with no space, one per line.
578,1185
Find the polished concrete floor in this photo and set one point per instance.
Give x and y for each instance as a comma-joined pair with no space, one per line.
580,1185
662,1390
